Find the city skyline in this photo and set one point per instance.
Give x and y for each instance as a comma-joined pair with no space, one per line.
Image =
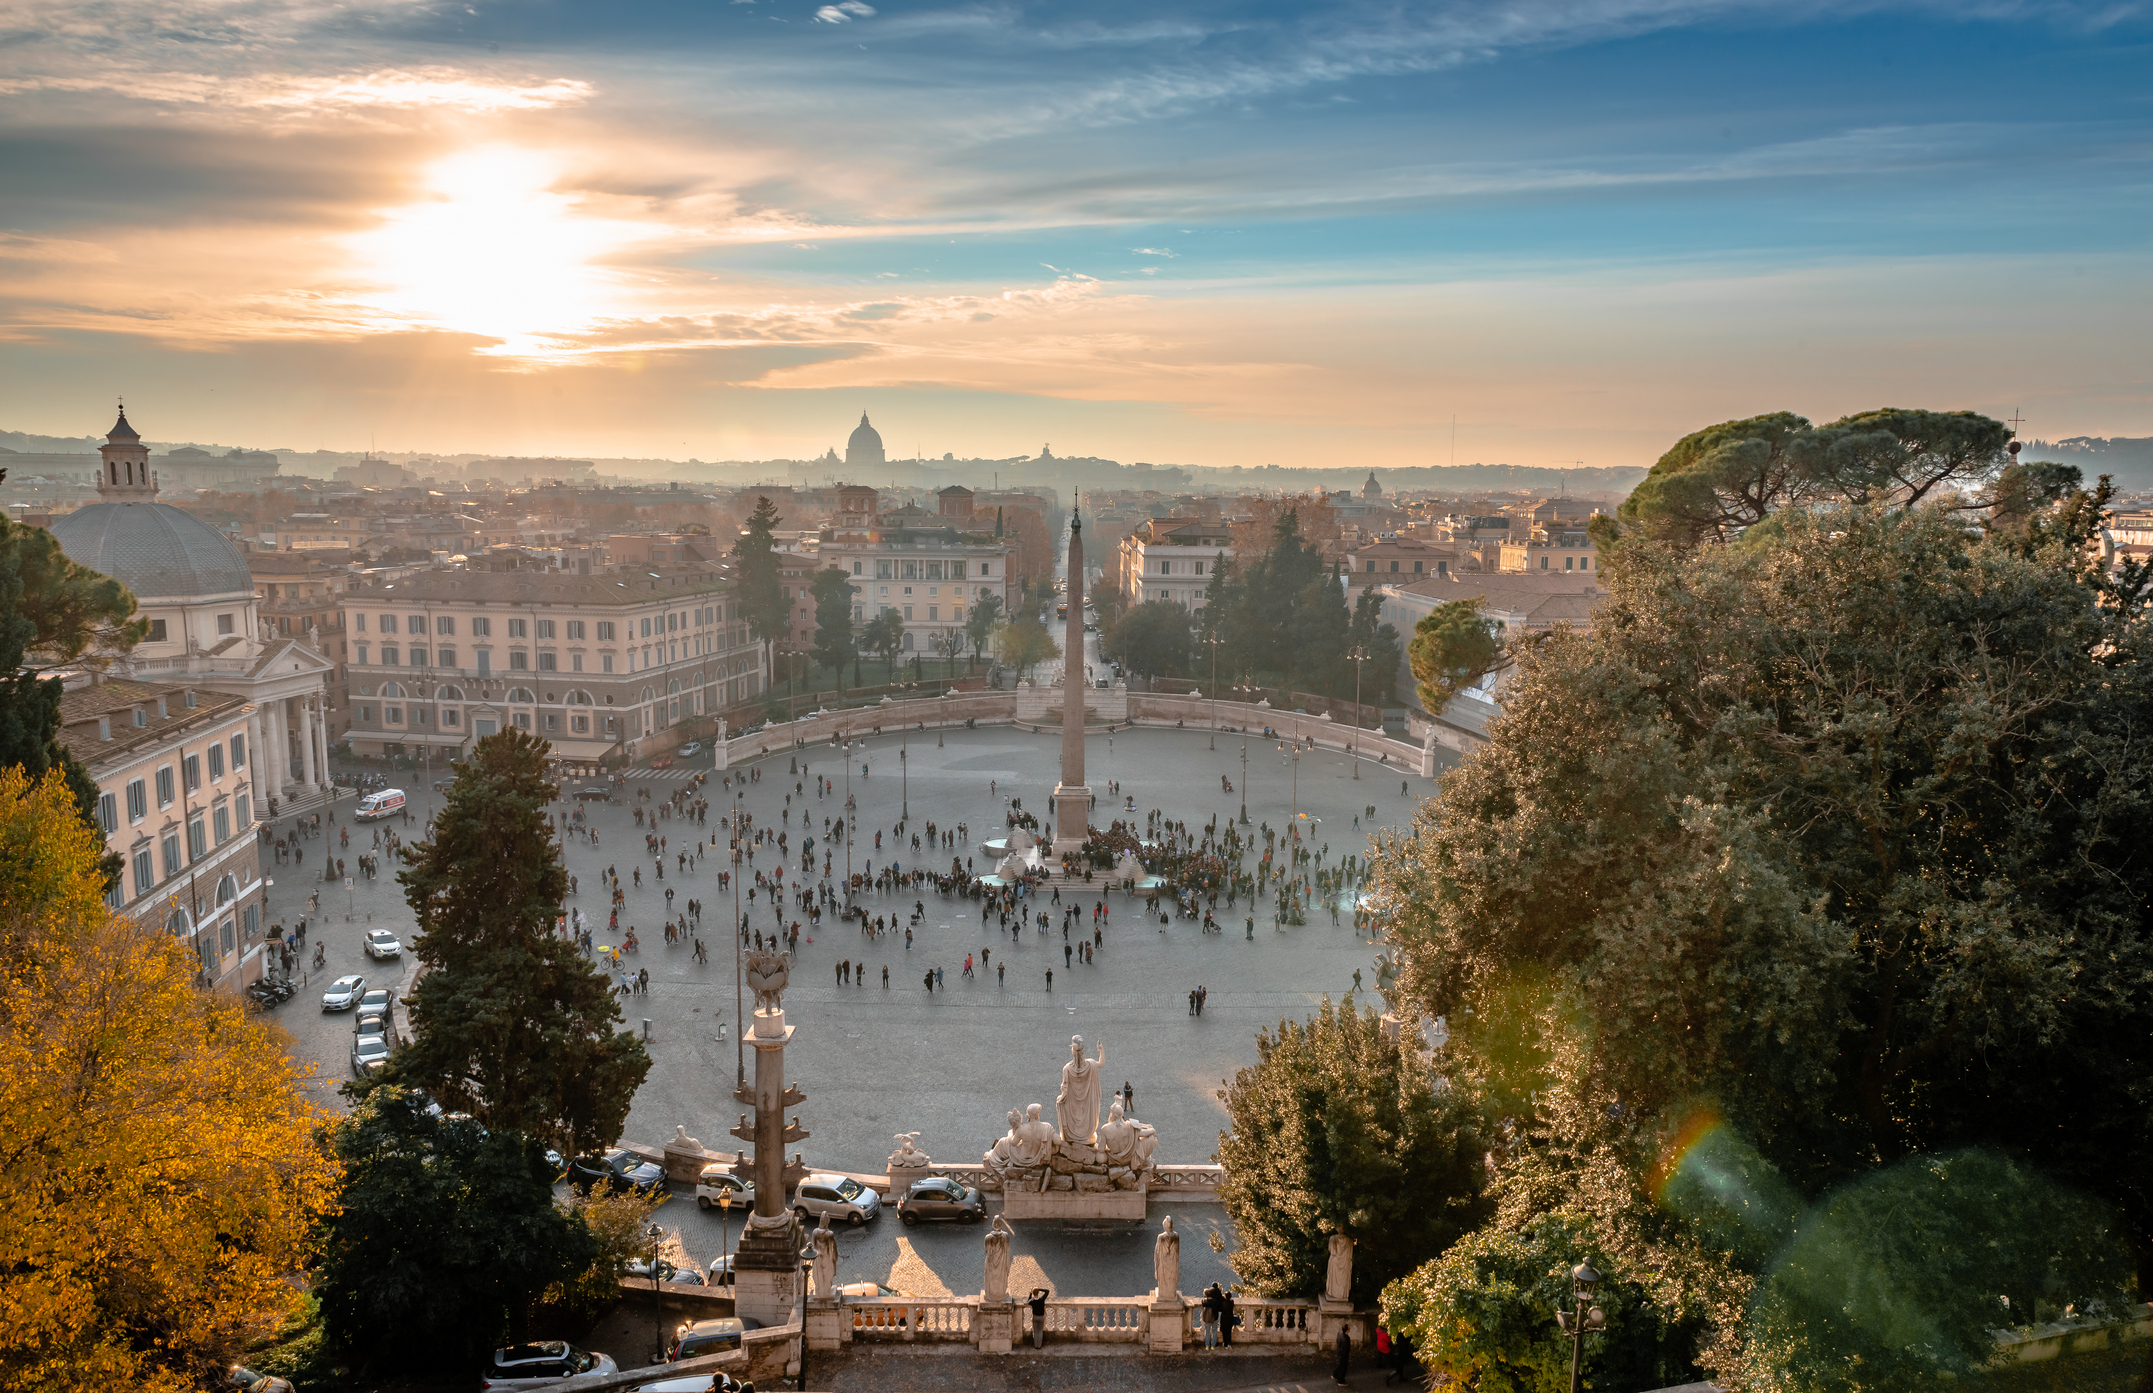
1199,234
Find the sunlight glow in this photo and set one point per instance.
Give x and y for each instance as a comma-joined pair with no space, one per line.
497,253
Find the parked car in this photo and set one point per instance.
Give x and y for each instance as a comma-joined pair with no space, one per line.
938,1197
716,1182
540,1363
839,1196
616,1171
368,1053
691,749
248,1381
667,1272
662,762
343,993
594,793
380,943
377,1002
699,1337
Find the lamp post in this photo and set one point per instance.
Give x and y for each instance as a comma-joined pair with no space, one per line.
1244,771
740,840
1581,1318
807,1254
1292,750
904,776
656,1236
1359,655
1214,639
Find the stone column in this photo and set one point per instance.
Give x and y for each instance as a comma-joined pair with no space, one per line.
258,755
321,734
280,747
306,741
766,1266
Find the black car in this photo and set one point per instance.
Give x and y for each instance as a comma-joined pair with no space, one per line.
594,793
616,1171
938,1197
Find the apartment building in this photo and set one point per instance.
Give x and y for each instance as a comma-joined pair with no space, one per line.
178,799
1391,559
930,571
1171,559
1551,548
599,665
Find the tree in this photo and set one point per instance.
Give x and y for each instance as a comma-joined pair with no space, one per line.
445,1236
834,643
885,635
1825,843
1454,646
511,1023
1032,558
1023,644
980,626
158,1171
760,599
949,643
1153,639
1335,1129
1319,636
55,608
1378,677
1108,603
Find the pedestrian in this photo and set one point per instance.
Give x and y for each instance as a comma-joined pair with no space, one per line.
1203,994
1067,952
1211,1316
1038,1304
1192,1003
939,980
1001,973
1228,1318
929,979
885,977
1050,979
1128,1097
1344,1348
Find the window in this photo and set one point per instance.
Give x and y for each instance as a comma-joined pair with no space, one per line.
358,623
576,661
1165,567
481,628
142,718
1417,565
388,655
859,568
243,810
450,719
392,715
575,628
519,660
859,611
138,801
482,727
1371,563
908,611
239,751
197,838
362,653
485,662
986,568
252,917
605,631
365,715
108,812
224,623
388,623
448,657
191,771
164,786
517,628
145,870
908,570
156,634
523,720
605,662
224,824
216,761
444,624
224,935
545,628
646,628
548,663
553,722
416,624
931,615
173,865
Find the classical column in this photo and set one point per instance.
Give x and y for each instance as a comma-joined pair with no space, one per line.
766,1265
280,747
258,754
321,734
306,739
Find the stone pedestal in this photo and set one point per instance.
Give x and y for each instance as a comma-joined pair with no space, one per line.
1329,1316
1072,817
994,1326
825,1324
766,1271
1169,1325
1019,1202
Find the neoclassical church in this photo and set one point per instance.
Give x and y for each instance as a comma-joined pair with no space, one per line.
192,585
864,449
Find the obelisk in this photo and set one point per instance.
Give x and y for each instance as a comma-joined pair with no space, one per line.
1072,797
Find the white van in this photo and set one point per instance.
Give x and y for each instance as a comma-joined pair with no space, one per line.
376,806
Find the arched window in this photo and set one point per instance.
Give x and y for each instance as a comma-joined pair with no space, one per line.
579,697
390,689
448,693
650,694
522,694
179,923
908,641
673,687
227,891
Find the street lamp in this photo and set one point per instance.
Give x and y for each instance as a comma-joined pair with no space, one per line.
904,775
1359,655
1581,1318
740,1061
1244,771
656,1236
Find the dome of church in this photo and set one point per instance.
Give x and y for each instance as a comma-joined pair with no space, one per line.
156,550
865,445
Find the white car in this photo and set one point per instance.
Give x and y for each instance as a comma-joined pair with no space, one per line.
839,1196
716,1182
691,749
540,1363
343,993
380,943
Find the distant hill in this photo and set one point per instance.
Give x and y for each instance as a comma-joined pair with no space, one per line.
2127,459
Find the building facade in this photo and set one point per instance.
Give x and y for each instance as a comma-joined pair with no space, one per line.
927,570
599,665
1172,559
179,800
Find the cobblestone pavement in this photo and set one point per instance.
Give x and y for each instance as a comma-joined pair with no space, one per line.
949,1064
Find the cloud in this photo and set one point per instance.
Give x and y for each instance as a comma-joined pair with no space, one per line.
448,88
1153,251
843,12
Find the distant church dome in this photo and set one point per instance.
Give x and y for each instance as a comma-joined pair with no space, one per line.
156,550
1371,489
864,449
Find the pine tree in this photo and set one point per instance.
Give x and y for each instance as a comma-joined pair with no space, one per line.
513,1025
835,644
761,599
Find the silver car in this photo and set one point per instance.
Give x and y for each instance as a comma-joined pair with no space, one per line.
380,943
839,1196
343,993
538,1364
368,1053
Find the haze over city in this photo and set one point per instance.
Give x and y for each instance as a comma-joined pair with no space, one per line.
1198,233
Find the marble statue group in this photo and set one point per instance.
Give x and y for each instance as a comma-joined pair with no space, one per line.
1075,1151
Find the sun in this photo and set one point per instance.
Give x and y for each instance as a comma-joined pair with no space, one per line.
495,251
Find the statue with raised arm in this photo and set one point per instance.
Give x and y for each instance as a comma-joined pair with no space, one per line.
998,1236
1076,1107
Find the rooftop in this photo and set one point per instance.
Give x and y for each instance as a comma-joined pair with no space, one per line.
80,708
544,587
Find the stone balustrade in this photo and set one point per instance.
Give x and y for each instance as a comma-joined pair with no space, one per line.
909,1318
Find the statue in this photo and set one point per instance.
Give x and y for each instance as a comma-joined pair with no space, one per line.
1126,1141
1076,1107
766,975
907,1157
1166,1262
1338,1275
997,1288
1002,1155
1035,1139
825,1268
682,1141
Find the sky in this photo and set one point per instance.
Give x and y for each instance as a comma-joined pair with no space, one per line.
1190,231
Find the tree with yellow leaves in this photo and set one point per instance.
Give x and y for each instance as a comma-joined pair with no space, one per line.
159,1171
